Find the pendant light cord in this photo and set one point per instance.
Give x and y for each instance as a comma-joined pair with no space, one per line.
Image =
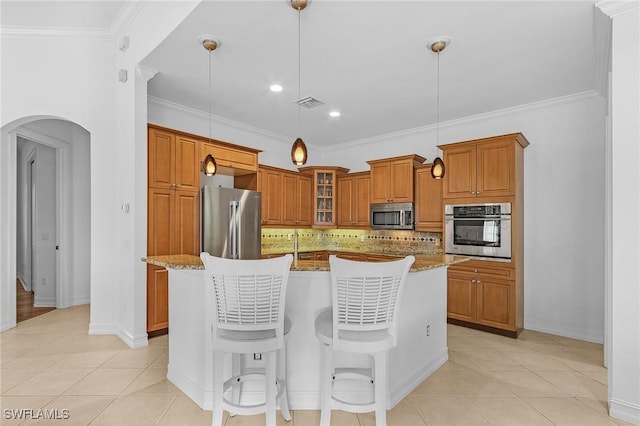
438,102
298,73
210,96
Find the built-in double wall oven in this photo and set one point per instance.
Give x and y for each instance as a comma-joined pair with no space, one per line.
479,230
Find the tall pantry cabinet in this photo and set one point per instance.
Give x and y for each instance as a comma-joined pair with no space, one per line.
482,293
173,222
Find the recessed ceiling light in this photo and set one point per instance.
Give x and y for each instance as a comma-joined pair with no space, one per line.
334,114
275,88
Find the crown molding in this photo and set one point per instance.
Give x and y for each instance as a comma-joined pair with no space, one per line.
55,33
231,123
613,8
145,73
562,100
126,15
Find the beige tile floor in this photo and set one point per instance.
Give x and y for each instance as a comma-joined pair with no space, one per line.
50,362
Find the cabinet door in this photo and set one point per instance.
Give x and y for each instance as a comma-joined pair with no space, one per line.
187,171
186,223
428,202
379,175
161,159
401,181
345,204
272,197
496,303
360,201
157,298
460,178
495,169
303,198
461,296
289,202
161,204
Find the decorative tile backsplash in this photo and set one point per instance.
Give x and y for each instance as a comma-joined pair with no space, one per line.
280,240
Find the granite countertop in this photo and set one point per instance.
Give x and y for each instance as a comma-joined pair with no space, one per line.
423,262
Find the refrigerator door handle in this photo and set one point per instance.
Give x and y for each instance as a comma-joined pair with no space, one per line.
233,228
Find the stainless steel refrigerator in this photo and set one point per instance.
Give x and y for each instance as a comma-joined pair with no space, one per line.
231,222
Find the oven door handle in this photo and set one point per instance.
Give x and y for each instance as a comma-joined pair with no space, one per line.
480,218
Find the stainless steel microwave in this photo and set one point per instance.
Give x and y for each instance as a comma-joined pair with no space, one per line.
391,216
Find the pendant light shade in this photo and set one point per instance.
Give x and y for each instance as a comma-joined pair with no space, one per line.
210,43
209,166
299,149
299,152
437,169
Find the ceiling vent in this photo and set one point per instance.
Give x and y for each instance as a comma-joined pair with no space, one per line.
309,102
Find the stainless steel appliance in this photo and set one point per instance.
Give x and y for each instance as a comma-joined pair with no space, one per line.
231,222
482,230
391,215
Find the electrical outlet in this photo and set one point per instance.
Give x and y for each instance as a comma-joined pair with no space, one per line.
44,281
257,357
428,330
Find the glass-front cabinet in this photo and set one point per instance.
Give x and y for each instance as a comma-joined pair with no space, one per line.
324,198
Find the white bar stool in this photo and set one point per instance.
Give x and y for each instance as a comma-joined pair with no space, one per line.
249,318
363,320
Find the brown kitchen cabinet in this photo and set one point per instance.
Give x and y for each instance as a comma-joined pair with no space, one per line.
173,160
392,179
485,295
429,211
486,168
230,159
353,200
173,227
286,197
324,194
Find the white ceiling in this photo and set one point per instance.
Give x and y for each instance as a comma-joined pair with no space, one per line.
367,59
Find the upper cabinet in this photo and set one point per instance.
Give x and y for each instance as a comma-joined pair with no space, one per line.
324,196
286,197
392,179
353,200
484,167
232,160
173,160
428,200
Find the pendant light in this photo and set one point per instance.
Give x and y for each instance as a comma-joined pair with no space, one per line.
299,149
437,45
209,166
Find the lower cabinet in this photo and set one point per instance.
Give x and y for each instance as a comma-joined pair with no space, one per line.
484,296
157,298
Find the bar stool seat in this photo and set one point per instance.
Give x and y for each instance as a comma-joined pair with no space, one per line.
249,318
363,319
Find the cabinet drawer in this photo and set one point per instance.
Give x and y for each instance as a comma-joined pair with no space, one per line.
506,273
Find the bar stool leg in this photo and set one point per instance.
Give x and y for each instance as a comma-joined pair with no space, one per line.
237,368
218,382
326,385
380,387
270,388
282,367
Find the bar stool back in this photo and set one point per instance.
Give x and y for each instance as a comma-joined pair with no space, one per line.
363,319
249,318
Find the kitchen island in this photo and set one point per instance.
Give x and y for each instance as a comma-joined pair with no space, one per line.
422,340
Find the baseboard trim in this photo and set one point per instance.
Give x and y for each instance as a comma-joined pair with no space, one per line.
134,342
626,411
572,333
23,283
102,329
44,302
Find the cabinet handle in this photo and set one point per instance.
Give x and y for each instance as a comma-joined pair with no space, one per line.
473,281
178,185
